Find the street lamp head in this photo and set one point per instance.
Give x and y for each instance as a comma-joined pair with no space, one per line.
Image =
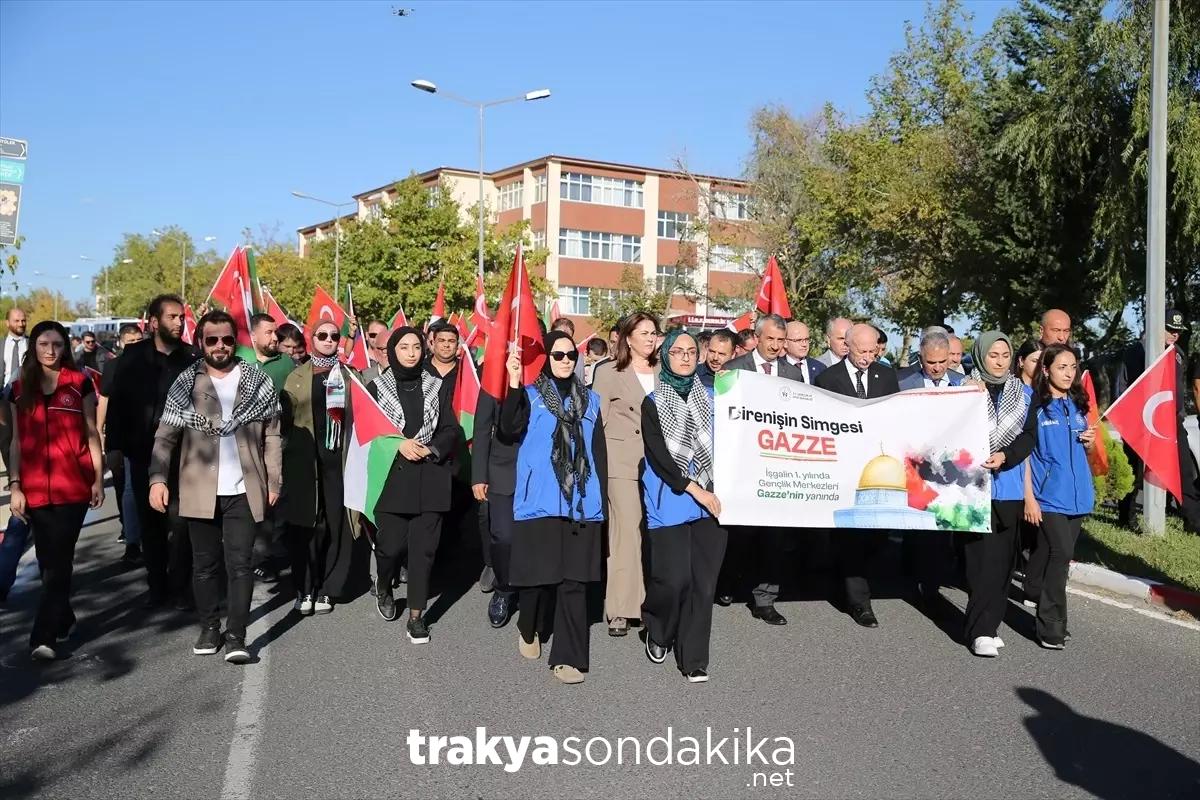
85,258
425,86
301,195
74,277
126,260
537,94
210,238
156,232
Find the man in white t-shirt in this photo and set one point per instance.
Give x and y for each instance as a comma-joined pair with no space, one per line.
223,416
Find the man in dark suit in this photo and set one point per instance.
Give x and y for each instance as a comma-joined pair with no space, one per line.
796,351
858,375
934,370
493,481
775,546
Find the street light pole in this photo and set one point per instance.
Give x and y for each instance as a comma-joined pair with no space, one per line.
1154,499
337,233
431,88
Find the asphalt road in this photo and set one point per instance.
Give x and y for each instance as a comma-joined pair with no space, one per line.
901,711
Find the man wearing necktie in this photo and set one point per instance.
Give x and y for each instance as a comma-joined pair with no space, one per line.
796,349
858,375
934,370
12,351
775,546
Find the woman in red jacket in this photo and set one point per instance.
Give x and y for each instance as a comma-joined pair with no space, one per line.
54,471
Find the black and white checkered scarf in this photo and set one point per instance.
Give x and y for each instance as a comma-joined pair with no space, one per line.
257,401
1007,415
687,425
389,401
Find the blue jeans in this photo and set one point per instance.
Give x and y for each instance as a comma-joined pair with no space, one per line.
16,539
129,510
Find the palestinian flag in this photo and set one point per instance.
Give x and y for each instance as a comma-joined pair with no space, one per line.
398,320
466,394
439,305
257,301
371,449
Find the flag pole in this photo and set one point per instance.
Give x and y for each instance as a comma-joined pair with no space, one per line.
1154,499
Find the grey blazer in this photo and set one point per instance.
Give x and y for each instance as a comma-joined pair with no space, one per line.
259,447
783,368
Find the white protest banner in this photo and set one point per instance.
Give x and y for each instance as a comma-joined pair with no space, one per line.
788,454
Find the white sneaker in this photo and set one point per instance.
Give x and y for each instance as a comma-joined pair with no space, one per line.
996,640
1029,603
322,605
43,653
985,646
304,604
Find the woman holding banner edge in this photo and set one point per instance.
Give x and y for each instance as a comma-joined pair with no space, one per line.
1012,434
686,544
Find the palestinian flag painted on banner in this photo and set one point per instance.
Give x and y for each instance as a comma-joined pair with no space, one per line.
371,449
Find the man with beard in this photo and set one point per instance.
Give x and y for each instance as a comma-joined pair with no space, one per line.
221,421
377,336
443,358
136,394
265,352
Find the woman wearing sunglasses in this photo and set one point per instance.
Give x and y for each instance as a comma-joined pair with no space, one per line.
558,504
54,471
687,544
321,534
416,492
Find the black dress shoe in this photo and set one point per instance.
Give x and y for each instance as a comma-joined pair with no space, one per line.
864,617
655,652
385,602
724,600
769,615
500,609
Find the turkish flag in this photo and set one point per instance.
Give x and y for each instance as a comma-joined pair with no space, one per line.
772,298
743,323
324,307
439,304
189,325
515,328
1145,416
232,290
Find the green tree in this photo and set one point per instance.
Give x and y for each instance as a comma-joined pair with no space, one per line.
40,304
635,294
146,265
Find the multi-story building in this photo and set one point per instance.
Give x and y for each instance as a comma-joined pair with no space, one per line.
684,232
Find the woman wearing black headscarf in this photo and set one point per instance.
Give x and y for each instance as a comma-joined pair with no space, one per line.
416,492
558,505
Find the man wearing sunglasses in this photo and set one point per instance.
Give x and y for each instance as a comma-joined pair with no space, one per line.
377,339
265,351
222,416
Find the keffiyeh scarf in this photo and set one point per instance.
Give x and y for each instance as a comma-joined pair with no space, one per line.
568,456
1007,414
687,429
389,401
257,401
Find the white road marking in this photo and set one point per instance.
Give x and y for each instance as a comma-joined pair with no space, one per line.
1145,612
248,727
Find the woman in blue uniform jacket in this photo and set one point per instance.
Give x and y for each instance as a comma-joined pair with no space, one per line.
1062,486
686,545
558,504
1012,433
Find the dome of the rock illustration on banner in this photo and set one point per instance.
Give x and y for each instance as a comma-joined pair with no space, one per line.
881,500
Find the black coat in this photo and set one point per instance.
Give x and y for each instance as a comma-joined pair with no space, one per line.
881,381
137,389
492,461
424,486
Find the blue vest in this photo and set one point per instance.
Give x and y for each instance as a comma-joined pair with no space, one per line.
1062,480
664,507
1009,482
537,494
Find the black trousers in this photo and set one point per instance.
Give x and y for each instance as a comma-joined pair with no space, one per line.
228,536
498,512
114,462
566,604
855,550
989,564
55,532
1056,539
414,535
775,559
268,540
156,531
309,551
928,558
684,561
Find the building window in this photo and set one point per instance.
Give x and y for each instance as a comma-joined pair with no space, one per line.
375,211
726,258
599,246
731,205
610,296
596,189
511,195
673,224
539,240
539,188
575,300
432,195
670,278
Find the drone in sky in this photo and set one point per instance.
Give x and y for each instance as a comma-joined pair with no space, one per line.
401,12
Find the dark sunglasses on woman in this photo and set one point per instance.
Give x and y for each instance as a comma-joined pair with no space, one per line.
323,336
561,354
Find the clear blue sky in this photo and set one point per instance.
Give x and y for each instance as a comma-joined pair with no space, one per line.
206,115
